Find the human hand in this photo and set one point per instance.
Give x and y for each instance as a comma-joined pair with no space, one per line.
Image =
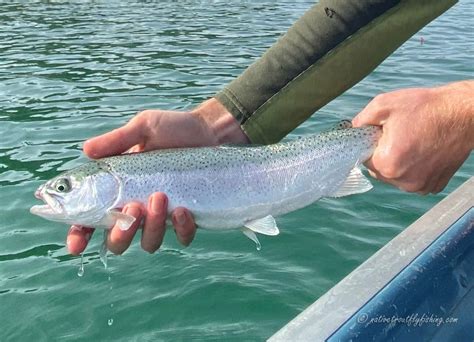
427,135
208,125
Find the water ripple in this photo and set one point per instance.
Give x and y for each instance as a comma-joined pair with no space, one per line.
69,71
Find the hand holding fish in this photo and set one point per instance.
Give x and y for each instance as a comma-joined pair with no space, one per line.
225,187
210,124
427,135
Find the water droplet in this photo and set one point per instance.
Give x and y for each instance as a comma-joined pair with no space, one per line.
103,249
80,271
258,245
110,321
194,201
112,305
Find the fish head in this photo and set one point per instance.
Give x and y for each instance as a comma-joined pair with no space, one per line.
80,196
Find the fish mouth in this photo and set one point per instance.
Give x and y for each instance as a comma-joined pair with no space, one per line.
43,210
52,207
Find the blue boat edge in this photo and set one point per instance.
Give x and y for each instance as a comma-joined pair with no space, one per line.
415,287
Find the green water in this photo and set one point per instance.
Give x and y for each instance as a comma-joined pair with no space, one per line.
68,72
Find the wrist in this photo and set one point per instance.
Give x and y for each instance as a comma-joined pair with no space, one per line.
221,122
458,106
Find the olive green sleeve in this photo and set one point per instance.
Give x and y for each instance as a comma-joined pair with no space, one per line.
330,48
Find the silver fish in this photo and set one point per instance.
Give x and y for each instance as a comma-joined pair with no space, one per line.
225,187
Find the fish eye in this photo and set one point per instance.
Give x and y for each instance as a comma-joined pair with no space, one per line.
62,185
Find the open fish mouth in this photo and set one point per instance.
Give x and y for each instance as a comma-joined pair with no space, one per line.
51,208
43,210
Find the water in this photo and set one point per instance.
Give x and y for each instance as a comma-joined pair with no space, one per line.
80,271
68,72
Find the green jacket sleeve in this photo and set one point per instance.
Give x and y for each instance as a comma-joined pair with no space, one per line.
330,48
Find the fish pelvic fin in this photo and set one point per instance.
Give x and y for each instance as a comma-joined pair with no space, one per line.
355,183
265,226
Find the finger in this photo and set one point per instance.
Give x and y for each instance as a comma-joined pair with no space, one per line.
440,185
184,225
443,180
78,238
135,149
155,222
430,183
373,114
115,142
119,240
373,172
369,164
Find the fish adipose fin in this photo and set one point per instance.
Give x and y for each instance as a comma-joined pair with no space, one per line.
265,226
355,183
123,221
343,124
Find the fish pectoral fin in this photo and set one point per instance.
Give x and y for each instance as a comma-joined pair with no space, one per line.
355,183
251,235
265,226
123,221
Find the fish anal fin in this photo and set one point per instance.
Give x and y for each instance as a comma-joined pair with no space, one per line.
265,226
355,183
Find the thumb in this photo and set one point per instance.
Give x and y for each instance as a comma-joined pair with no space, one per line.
374,114
115,142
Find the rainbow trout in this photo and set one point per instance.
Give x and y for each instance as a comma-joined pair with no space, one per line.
225,187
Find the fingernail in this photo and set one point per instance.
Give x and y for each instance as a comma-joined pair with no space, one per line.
76,228
132,210
155,207
181,218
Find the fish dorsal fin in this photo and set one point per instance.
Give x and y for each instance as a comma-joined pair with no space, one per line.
355,183
251,235
265,226
123,221
343,124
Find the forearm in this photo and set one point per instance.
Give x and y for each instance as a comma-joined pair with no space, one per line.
332,47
